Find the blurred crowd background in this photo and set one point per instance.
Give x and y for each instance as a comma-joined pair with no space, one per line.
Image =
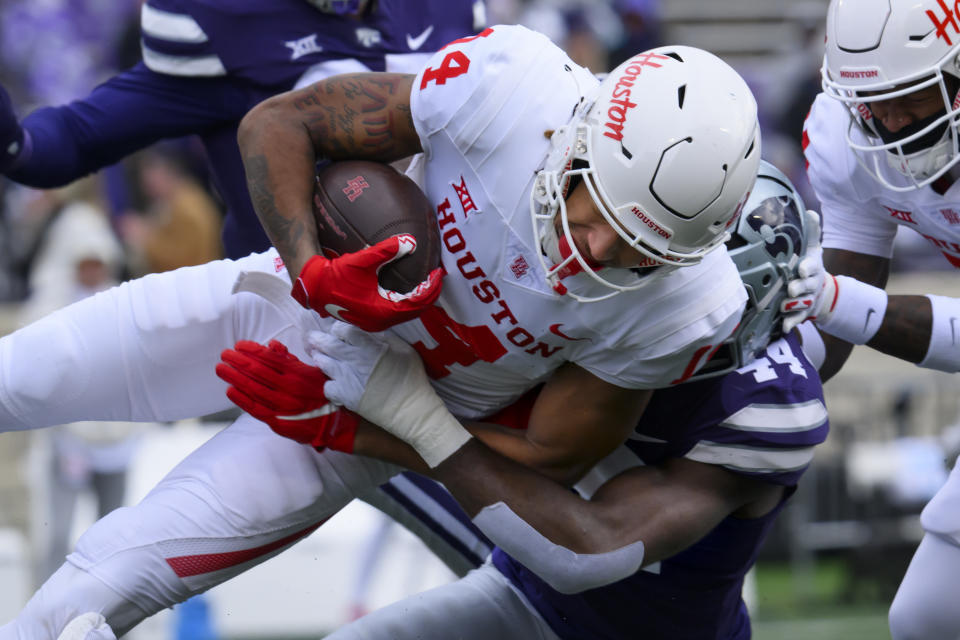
839,551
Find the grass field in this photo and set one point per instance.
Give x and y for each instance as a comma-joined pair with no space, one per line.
825,605
865,626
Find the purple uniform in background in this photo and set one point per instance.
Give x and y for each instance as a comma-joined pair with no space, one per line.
206,63
763,420
34,37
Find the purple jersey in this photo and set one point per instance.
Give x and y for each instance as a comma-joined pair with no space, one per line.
274,43
207,62
763,420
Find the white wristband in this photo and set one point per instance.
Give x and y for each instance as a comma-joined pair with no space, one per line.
428,426
399,398
381,377
944,351
858,313
813,346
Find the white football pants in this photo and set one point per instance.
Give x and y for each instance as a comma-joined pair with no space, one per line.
480,606
89,626
925,607
146,351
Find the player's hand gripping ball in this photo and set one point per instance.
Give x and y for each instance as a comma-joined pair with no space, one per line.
381,262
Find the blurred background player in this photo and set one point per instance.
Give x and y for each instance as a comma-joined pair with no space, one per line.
180,224
77,253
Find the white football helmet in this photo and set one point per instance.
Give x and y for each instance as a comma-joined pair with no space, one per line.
891,48
766,244
668,146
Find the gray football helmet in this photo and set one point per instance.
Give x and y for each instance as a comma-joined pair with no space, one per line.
766,245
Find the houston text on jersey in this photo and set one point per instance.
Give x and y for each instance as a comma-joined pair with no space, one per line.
485,290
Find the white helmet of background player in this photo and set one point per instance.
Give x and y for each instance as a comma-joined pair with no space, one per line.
882,49
668,146
766,245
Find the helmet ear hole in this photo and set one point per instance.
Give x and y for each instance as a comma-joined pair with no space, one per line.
766,280
735,242
576,178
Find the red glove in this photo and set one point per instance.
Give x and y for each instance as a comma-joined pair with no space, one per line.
273,386
340,429
347,287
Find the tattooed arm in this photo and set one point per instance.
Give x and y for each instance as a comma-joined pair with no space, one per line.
363,116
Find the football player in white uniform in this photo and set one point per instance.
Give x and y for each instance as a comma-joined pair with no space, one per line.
891,77
602,294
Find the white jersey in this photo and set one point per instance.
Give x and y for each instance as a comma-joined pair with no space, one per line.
482,108
860,214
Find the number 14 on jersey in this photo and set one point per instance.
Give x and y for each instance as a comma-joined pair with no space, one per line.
456,63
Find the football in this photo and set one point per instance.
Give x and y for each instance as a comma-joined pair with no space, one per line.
357,204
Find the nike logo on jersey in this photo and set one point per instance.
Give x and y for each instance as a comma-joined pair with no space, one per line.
303,46
416,43
334,310
866,322
555,330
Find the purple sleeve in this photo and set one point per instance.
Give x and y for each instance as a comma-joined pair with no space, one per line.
763,420
130,111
